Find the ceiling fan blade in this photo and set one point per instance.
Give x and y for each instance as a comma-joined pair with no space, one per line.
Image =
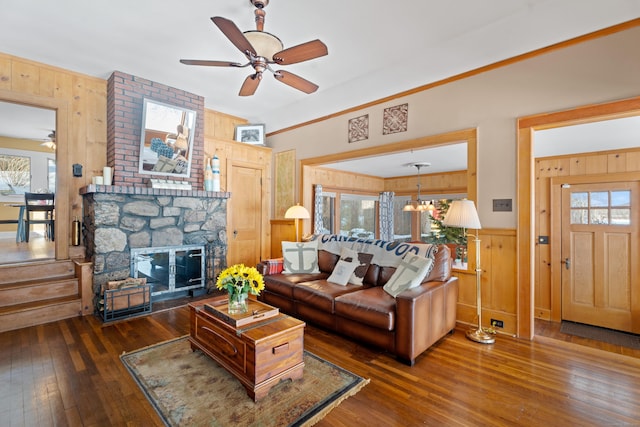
295,81
210,63
301,52
234,34
250,84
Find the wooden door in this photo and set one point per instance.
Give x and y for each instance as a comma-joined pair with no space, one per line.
600,284
245,215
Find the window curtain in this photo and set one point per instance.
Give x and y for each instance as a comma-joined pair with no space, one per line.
386,215
317,209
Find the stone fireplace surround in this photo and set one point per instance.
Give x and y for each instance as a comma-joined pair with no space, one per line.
118,218
130,214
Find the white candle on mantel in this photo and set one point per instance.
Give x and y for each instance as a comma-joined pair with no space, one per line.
106,174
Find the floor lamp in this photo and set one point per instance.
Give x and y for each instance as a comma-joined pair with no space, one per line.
297,212
463,214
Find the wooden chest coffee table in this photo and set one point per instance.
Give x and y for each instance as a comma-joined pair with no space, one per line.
259,353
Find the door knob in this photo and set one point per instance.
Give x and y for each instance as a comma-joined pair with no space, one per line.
567,263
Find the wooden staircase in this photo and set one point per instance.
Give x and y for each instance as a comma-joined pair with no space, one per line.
35,293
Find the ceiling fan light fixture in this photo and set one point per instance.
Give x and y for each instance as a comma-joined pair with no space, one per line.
265,44
50,145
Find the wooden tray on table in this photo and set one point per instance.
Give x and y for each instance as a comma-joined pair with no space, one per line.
257,311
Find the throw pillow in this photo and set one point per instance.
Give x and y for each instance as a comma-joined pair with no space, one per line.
342,272
362,261
409,274
300,257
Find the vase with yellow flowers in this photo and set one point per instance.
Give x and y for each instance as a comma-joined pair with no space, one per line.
239,280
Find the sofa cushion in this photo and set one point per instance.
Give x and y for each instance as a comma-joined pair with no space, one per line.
342,272
321,294
327,261
441,271
300,257
371,278
373,307
283,284
409,274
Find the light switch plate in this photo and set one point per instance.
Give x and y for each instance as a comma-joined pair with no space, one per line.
502,205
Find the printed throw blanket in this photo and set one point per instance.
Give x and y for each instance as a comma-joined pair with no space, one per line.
385,254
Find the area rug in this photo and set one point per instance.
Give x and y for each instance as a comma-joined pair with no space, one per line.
188,388
601,334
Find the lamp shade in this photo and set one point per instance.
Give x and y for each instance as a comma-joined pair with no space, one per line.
297,212
462,213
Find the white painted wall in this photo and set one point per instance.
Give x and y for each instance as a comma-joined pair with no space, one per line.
600,70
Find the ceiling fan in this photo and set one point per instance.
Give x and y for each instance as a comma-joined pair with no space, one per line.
263,49
51,143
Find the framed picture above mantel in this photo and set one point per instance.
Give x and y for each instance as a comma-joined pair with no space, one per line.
250,134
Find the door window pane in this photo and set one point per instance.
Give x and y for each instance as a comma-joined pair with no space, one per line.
579,216
579,200
621,198
599,198
621,216
599,216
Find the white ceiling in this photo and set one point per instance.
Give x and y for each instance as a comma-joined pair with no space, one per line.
376,48
447,158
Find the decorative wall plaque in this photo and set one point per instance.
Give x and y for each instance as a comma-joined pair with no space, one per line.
359,128
395,119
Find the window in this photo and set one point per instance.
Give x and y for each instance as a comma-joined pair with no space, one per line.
349,214
358,215
601,207
401,219
328,212
15,174
51,175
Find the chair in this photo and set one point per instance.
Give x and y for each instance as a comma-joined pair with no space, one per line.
35,203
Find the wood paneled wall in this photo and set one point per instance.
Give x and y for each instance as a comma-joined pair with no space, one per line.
440,183
219,131
81,135
498,281
605,162
332,178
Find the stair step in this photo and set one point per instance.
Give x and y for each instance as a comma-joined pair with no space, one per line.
38,270
37,290
39,312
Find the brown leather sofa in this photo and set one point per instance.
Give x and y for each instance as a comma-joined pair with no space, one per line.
405,325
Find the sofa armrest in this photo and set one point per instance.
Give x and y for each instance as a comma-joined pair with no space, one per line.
424,315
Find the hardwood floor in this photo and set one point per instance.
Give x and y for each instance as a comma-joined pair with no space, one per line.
69,373
36,249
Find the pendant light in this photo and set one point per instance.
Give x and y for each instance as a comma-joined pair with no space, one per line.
419,205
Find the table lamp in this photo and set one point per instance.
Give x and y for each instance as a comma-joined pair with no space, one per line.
297,212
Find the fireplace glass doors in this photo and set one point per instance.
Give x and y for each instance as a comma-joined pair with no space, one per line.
170,270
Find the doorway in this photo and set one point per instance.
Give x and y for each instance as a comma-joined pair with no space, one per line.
28,146
527,239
